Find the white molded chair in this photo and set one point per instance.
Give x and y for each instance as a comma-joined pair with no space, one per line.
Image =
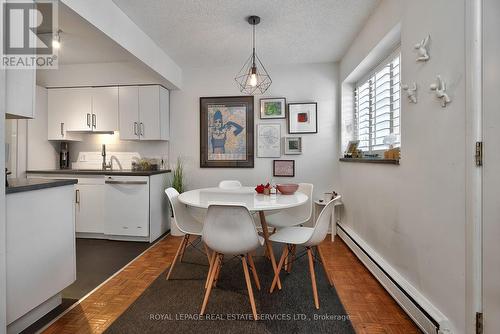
310,237
230,184
230,230
185,223
293,216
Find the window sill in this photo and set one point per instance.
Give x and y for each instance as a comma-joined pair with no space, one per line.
371,161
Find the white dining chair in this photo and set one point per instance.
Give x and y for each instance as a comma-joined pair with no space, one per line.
294,216
185,223
230,184
310,237
230,230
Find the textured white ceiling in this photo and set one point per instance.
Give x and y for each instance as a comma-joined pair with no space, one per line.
214,32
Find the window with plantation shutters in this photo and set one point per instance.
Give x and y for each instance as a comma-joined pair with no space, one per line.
377,106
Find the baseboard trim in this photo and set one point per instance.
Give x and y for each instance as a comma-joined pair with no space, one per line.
427,317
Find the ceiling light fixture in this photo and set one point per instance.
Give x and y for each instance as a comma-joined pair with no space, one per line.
253,77
56,40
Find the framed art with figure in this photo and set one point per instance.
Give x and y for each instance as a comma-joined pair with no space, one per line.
227,132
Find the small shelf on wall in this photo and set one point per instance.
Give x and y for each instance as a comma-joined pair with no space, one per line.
371,161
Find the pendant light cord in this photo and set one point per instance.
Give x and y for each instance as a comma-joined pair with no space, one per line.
253,44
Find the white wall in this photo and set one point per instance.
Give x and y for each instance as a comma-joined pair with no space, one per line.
413,215
297,83
40,153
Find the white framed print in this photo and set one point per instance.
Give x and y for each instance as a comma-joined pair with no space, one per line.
293,145
302,118
268,140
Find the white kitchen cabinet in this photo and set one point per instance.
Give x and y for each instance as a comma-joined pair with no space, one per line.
86,109
20,93
144,113
89,206
127,205
105,109
128,106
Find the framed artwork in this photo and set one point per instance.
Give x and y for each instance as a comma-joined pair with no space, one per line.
302,117
226,132
284,168
273,108
268,140
293,145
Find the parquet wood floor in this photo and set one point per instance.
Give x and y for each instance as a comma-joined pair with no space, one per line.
371,309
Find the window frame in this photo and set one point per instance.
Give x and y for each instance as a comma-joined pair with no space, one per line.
372,86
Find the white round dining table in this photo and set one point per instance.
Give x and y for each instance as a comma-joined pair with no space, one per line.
249,198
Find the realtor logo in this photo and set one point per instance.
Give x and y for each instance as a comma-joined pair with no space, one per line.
27,34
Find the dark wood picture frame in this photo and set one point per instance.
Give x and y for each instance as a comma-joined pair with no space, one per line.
279,175
263,100
290,118
248,102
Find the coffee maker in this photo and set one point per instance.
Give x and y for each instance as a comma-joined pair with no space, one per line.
64,156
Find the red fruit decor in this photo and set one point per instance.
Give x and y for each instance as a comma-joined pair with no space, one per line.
261,188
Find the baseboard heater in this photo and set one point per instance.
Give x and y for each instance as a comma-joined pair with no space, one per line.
424,314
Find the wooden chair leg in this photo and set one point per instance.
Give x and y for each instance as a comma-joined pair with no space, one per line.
179,249
185,246
254,271
207,252
210,285
289,266
313,277
249,287
322,259
211,268
217,270
278,269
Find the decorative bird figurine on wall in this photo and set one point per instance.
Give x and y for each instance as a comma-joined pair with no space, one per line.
411,92
440,89
423,53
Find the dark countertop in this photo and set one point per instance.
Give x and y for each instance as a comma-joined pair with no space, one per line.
125,172
20,185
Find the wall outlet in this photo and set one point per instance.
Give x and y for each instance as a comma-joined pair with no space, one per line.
83,158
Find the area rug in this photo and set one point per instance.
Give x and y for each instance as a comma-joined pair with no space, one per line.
173,306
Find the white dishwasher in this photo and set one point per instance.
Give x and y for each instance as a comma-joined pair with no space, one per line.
126,200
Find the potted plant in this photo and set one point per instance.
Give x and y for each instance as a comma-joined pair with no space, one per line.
177,184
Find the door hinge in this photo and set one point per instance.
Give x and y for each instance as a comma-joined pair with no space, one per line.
479,323
479,153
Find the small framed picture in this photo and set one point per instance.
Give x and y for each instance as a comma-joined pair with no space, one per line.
293,145
302,117
352,146
268,140
284,168
273,108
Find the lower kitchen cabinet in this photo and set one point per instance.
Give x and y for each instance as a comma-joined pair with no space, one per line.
119,207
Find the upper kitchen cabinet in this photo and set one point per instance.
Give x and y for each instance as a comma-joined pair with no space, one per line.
20,93
105,109
144,113
87,109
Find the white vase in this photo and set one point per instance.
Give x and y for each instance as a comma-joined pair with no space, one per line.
174,230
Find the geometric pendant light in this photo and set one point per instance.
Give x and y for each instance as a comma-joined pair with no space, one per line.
253,78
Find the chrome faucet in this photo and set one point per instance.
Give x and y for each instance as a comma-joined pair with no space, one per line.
104,164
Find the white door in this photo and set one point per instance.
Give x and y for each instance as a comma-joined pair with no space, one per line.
105,108
491,167
128,108
90,208
127,205
149,112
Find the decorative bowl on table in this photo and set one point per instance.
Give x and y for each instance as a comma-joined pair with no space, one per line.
287,188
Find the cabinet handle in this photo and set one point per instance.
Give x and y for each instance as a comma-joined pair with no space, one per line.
88,120
135,128
77,199
125,182
94,120
142,129
62,129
